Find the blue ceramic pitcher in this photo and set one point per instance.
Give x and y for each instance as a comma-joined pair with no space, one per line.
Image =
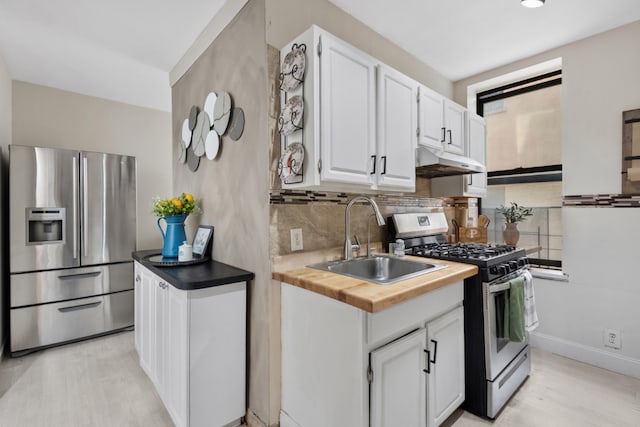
174,235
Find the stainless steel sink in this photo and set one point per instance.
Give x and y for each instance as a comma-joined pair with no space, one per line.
383,270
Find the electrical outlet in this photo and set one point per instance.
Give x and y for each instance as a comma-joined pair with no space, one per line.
612,338
296,239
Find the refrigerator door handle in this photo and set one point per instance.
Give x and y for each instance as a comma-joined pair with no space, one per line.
85,203
80,275
75,207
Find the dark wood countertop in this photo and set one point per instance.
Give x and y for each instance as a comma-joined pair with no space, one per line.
198,276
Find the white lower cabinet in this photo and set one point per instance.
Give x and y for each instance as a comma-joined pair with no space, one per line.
192,346
398,386
403,366
445,377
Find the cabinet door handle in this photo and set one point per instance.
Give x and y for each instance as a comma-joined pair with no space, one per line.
374,165
138,278
435,351
450,138
384,165
444,133
427,362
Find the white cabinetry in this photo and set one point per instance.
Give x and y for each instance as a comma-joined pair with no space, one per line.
359,119
192,346
470,185
445,388
347,116
398,387
344,366
396,113
441,122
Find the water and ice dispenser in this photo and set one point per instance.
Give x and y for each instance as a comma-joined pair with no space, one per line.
45,225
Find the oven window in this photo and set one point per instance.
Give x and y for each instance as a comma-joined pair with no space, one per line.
502,336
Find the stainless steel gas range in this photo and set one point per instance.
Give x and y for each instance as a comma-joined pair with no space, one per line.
494,366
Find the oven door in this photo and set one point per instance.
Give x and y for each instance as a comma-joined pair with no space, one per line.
499,351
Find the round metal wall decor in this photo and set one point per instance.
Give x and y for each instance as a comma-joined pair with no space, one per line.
222,112
237,124
193,161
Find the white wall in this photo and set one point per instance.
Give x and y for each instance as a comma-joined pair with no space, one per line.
5,139
600,81
43,116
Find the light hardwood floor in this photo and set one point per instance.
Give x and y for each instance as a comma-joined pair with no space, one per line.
561,392
100,383
90,383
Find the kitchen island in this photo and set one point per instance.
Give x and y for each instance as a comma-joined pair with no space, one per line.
362,354
190,334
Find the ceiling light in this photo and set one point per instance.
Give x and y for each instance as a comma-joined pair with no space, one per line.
532,3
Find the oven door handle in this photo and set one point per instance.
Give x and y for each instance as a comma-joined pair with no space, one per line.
499,288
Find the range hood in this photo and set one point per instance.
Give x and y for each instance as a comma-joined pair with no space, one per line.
432,163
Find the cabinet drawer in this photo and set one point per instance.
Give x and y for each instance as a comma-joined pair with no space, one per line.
399,319
54,323
59,285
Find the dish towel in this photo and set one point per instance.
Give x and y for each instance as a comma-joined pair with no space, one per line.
514,311
530,314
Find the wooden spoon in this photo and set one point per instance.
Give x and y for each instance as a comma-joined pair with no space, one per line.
483,221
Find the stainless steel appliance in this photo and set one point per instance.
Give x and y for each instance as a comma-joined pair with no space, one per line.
494,366
72,218
432,163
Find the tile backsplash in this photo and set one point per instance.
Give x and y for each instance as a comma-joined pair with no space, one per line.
321,216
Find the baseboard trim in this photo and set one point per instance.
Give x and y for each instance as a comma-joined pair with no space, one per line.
582,353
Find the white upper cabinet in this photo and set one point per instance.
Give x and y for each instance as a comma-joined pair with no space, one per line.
470,185
454,123
359,126
476,140
397,112
431,120
347,113
441,122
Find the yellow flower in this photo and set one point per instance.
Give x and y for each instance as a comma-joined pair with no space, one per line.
177,203
189,197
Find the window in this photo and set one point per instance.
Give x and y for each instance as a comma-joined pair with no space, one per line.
524,160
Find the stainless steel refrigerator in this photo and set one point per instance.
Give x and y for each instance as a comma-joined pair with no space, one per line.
72,217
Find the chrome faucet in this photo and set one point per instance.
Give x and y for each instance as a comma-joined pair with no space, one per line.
348,247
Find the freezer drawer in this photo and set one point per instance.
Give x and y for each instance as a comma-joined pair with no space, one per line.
59,285
47,324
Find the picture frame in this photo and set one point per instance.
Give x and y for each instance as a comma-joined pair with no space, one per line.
203,241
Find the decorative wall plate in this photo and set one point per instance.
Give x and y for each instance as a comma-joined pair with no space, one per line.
292,69
222,113
237,124
193,161
200,133
290,166
193,115
209,105
291,116
186,133
211,144
182,152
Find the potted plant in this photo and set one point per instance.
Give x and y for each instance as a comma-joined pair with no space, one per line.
174,212
512,216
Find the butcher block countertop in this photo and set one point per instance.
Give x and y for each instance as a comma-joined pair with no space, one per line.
370,296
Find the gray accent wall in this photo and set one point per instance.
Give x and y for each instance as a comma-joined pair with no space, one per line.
234,187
